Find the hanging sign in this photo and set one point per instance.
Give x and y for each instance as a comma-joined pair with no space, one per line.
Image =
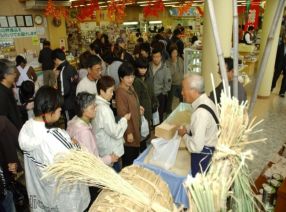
253,14
17,32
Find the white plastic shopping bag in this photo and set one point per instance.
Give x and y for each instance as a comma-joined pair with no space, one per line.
165,152
155,117
144,127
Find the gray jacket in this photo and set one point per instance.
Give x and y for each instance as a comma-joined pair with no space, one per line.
162,79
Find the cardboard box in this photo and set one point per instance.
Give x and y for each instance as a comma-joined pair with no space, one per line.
166,131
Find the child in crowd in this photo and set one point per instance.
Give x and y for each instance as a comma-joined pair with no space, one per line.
109,134
41,142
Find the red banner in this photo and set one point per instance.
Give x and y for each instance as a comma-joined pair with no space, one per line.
253,14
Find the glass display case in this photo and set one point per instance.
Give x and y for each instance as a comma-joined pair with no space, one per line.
192,61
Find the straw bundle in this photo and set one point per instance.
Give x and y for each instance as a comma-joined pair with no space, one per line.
78,166
226,185
143,180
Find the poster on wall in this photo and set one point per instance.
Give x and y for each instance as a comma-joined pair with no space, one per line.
29,21
20,20
11,21
3,21
17,32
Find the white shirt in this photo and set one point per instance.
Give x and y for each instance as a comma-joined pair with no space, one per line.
23,75
247,38
86,85
203,126
108,133
112,70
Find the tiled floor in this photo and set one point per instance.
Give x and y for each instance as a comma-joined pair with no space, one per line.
273,111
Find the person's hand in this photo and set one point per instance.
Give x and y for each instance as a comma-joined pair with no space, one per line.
30,106
114,158
130,138
127,116
142,110
12,167
182,131
74,141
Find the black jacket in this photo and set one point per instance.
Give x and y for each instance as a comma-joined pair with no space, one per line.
242,96
145,92
280,62
70,80
45,58
8,106
180,45
129,58
8,152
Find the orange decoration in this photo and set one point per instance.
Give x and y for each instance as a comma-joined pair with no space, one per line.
52,10
116,11
200,11
88,11
184,8
153,9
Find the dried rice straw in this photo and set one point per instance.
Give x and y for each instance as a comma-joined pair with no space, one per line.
228,177
78,166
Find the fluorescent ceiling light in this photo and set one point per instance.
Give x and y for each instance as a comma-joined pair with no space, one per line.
155,22
175,2
130,23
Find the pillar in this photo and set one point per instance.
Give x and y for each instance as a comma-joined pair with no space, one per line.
270,9
57,34
224,18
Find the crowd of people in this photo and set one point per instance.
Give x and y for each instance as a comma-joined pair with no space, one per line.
100,108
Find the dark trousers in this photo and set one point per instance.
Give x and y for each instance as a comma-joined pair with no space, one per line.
130,154
143,144
163,100
117,166
94,192
176,91
276,75
200,161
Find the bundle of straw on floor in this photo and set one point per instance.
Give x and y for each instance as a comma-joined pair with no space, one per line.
143,179
227,184
79,166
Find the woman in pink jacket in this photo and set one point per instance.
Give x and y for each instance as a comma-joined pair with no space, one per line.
79,129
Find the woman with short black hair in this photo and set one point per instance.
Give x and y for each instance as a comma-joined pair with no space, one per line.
40,142
127,102
108,132
143,85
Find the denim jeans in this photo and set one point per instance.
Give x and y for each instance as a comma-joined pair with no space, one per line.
7,204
